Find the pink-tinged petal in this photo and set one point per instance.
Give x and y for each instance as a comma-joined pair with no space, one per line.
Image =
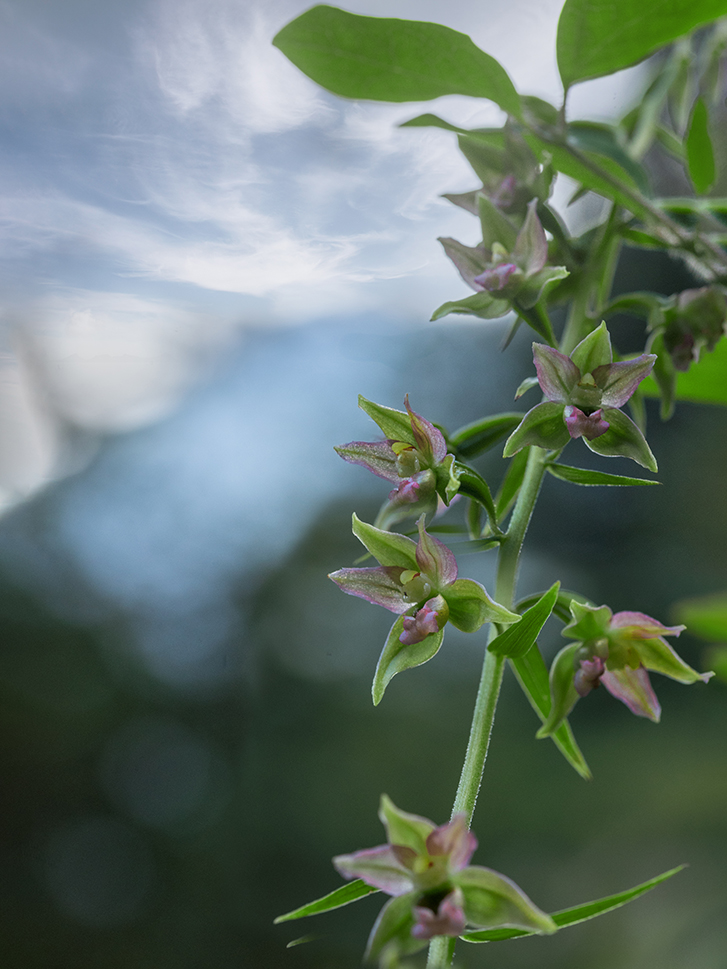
429,620
493,280
633,688
531,246
557,374
470,261
434,559
454,840
449,919
429,439
406,856
618,381
638,625
377,456
381,586
378,867
579,424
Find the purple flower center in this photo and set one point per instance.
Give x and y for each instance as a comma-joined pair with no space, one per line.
493,280
584,425
589,675
429,619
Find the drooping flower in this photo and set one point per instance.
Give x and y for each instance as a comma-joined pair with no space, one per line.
413,457
695,322
584,393
615,650
434,889
417,581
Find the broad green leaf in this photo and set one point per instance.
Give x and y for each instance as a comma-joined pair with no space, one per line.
397,657
484,305
480,436
383,59
581,476
344,895
518,639
704,383
700,153
532,675
705,616
597,37
579,913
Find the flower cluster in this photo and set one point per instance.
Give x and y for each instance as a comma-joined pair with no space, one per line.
434,889
584,393
615,650
417,581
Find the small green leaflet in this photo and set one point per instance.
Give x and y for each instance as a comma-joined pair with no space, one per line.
700,153
577,914
383,59
597,37
518,639
582,476
335,899
532,675
480,436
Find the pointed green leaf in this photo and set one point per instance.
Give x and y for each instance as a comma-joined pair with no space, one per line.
383,59
597,37
344,895
700,153
396,657
532,675
579,913
518,639
582,476
474,486
483,305
480,436
562,604
395,424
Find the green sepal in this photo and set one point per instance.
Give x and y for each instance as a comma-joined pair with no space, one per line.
584,476
474,486
393,925
700,153
593,351
490,899
496,227
562,692
394,424
344,895
622,439
389,548
518,639
480,436
658,656
402,828
510,486
588,622
470,607
578,913
533,287
542,426
482,304
397,657
532,675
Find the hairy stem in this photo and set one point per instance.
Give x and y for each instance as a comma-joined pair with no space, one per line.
441,949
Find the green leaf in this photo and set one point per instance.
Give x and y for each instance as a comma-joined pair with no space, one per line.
705,616
597,37
704,383
383,59
397,657
581,476
579,913
562,604
480,436
700,153
481,304
344,895
532,675
518,639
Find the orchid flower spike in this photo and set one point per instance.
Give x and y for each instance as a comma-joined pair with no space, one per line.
433,888
584,393
615,650
417,581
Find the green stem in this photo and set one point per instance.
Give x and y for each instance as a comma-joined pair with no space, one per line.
441,948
